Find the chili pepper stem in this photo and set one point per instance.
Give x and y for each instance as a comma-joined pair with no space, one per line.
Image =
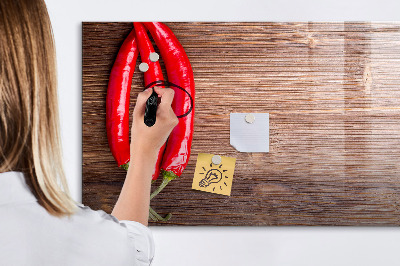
151,216
125,166
163,184
168,176
159,217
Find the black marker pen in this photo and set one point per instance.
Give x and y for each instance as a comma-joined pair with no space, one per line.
151,109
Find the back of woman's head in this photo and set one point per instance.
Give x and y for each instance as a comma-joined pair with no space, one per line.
29,125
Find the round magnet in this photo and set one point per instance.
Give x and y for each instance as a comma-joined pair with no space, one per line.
216,159
143,67
250,118
154,57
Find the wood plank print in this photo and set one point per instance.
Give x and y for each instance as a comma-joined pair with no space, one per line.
333,94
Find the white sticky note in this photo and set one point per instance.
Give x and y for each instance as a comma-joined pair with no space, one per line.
249,137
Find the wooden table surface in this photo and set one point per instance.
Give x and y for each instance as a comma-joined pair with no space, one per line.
333,94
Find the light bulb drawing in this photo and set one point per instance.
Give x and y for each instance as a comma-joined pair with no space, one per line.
213,176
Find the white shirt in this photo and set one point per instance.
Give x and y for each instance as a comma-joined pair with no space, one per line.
29,235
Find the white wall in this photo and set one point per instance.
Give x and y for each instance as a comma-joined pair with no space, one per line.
229,245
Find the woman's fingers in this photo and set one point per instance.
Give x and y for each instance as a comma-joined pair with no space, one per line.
164,110
166,94
140,106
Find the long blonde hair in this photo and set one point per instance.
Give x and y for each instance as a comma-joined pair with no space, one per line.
29,119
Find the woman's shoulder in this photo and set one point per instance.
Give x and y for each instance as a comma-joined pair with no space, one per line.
88,214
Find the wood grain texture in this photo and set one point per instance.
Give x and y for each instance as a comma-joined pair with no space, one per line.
333,94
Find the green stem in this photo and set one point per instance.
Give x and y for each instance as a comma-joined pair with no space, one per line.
152,216
168,176
125,166
159,217
163,184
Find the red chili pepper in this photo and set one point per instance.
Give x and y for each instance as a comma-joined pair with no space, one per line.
117,102
180,77
180,74
151,76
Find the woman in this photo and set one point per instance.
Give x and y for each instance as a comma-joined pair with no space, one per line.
39,222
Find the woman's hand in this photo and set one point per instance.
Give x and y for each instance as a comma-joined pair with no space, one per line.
147,141
134,201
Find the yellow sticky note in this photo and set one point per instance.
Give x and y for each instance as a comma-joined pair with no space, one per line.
214,178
